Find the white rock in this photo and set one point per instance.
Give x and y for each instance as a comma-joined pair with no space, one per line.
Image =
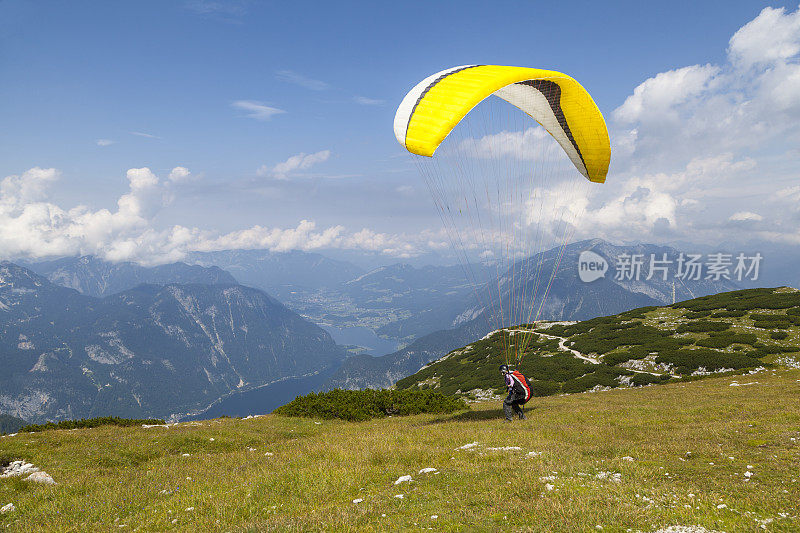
627,458
505,449
401,479
427,470
358,500
211,439
549,486
268,454
468,446
398,496
434,516
148,426
190,508
748,474
185,455
41,477
722,506
9,507
533,454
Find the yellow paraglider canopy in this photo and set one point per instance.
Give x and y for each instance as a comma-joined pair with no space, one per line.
556,101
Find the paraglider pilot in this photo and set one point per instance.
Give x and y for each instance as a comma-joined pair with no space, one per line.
517,395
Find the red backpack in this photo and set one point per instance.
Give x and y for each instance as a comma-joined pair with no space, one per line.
517,376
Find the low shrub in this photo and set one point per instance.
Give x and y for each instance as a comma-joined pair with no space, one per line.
725,339
703,326
605,376
544,388
360,405
89,423
778,335
686,360
697,314
641,379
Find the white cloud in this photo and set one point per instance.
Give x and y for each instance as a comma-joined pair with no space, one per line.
744,216
301,161
658,96
18,191
773,36
32,227
180,174
146,135
289,76
531,144
694,144
363,100
256,110
104,142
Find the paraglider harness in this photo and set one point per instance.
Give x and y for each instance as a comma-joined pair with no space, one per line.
520,385
519,392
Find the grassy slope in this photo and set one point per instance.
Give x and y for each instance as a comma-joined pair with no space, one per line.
732,330
113,476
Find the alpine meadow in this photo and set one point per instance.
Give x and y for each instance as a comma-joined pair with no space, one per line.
426,266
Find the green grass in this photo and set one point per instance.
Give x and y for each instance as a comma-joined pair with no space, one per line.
113,476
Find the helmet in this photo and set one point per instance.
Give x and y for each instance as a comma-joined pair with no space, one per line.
504,369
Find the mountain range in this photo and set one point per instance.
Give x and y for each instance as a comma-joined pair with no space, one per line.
85,336
568,298
160,351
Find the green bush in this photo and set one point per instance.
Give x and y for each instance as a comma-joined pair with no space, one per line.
641,379
697,314
703,326
89,423
778,335
743,300
638,313
725,339
368,404
544,388
686,361
605,376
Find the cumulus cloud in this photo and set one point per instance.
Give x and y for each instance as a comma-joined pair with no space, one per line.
744,216
658,97
773,36
301,161
33,227
290,76
256,110
531,144
180,174
695,147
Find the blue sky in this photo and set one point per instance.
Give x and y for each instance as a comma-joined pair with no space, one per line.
93,89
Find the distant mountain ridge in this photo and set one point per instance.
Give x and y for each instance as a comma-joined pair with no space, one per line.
96,277
569,298
152,351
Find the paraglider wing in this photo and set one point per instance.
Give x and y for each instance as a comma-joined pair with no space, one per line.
556,101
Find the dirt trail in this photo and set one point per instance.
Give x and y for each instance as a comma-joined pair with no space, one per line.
563,347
